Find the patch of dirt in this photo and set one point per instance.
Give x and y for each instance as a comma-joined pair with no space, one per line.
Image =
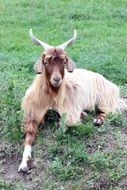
104,183
9,162
104,142
123,183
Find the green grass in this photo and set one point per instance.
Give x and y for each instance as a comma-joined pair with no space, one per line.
4,185
86,157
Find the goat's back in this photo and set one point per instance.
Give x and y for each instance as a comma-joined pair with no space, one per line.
94,89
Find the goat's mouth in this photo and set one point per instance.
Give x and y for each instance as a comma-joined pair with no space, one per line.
56,84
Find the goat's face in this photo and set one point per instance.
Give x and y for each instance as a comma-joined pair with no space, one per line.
54,60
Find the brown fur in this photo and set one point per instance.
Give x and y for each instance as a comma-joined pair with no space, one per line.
30,127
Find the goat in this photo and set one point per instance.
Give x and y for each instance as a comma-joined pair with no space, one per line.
69,92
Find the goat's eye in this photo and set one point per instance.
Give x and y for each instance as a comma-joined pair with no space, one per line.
64,62
45,63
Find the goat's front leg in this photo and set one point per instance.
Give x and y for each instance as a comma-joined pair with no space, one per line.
31,131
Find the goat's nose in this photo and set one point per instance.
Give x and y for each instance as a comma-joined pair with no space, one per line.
56,79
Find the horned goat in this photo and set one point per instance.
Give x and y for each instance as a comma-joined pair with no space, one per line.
70,92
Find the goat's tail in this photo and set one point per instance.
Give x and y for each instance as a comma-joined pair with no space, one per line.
122,105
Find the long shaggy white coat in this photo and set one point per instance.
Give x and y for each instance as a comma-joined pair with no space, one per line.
80,90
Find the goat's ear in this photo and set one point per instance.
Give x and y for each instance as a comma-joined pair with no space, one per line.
70,65
39,67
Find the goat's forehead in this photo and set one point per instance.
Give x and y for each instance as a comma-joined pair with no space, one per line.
55,52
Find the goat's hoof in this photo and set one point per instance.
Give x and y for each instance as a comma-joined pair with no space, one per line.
97,122
83,115
25,166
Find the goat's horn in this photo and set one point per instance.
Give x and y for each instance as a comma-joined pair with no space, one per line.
38,42
69,42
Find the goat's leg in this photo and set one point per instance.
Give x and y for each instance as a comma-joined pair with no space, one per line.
31,131
100,117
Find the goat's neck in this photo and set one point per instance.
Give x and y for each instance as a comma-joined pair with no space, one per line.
50,89
56,95
46,89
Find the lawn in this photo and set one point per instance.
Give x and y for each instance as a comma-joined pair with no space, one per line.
87,157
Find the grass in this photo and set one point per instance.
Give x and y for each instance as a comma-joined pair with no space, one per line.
86,157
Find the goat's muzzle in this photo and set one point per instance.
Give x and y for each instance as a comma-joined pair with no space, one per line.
56,81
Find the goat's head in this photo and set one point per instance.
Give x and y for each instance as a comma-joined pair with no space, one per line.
53,60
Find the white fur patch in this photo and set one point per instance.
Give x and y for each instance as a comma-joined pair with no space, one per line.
27,152
97,121
26,156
